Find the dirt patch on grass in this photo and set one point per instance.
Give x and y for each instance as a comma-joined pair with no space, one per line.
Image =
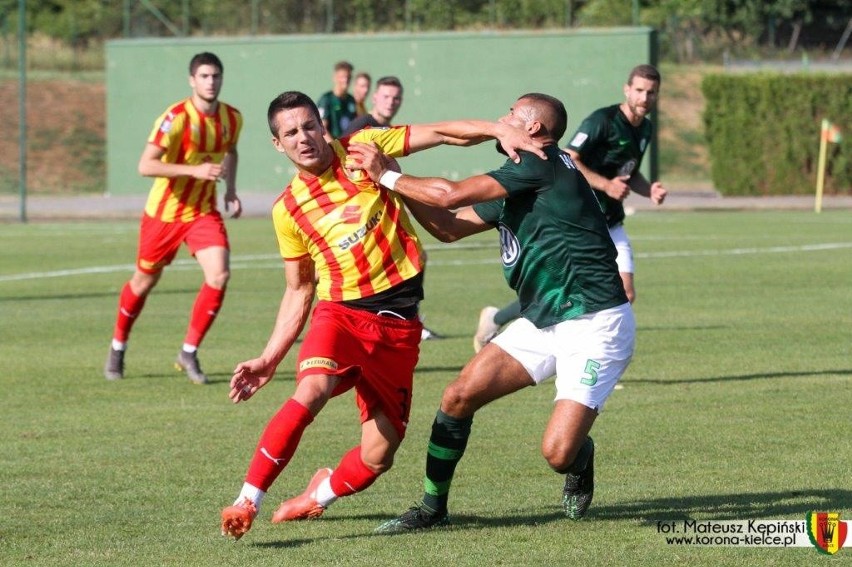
683,149
66,136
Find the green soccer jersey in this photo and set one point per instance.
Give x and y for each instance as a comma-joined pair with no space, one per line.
556,250
338,111
611,146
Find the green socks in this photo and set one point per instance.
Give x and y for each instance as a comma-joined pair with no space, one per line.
508,314
446,448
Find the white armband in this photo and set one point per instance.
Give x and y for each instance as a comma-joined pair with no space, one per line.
389,178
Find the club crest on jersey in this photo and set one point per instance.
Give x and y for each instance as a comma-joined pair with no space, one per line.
627,168
350,214
510,248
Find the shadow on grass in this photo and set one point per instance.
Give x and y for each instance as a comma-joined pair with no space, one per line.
740,377
791,505
458,522
788,505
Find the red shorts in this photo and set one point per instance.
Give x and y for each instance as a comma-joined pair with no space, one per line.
160,241
374,354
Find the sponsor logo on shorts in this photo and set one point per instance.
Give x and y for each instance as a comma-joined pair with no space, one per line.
151,266
317,362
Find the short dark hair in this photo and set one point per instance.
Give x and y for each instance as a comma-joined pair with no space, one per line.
205,58
343,65
389,80
286,101
646,72
366,75
554,116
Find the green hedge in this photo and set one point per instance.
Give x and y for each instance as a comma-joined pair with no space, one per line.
763,132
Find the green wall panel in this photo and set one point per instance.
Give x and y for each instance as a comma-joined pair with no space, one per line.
446,76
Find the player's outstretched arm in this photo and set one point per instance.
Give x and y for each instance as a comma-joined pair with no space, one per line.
433,191
472,132
251,375
444,224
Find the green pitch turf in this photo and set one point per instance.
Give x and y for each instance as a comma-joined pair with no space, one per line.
736,406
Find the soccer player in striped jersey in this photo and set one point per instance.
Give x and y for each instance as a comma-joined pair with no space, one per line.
192,146
350,242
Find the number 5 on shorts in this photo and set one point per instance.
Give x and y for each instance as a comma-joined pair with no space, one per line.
591,373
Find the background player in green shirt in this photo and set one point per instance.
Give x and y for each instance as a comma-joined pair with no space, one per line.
337,107
576,320
608,148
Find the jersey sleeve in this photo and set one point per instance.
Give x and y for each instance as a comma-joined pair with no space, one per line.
489,211
168,130
589,134
517,178
290,245
393,141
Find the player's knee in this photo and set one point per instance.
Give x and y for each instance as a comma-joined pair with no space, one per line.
141,283
555,459
379,466
559,455
456,400
219,280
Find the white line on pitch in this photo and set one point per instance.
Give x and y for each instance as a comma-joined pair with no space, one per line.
274,261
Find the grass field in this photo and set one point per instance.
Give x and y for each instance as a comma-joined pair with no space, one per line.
736,407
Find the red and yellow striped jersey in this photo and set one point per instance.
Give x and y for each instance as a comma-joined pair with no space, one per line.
190,137
357,233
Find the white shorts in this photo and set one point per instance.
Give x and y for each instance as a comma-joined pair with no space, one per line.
622,245
588,354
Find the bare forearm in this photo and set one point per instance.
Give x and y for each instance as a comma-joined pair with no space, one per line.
157,168
430,191
596,180
640,185
229,164
453,133
444,224
292,315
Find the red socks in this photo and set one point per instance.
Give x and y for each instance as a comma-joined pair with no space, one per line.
278,443
129,307
351,474
207,304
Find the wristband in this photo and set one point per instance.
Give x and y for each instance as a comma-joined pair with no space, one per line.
389,178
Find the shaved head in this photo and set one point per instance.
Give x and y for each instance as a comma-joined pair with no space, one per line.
549,111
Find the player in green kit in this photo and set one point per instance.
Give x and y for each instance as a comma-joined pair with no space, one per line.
607,148
576,322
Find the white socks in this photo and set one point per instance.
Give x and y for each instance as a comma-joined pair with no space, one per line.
324,495
252,493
